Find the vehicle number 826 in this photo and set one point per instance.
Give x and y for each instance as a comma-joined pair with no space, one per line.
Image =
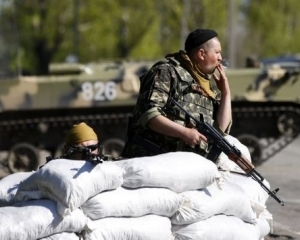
98,91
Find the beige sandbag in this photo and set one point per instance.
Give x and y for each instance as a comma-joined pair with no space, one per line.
251,188
177,171
150,227
205,203
62,236
31,220
9,186
138,202
222,227
70,183
225,163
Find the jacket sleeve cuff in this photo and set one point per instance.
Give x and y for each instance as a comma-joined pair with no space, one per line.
224,133
148,115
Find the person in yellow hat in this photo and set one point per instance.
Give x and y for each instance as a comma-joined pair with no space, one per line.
80,141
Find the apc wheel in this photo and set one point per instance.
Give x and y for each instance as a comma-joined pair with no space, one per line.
255,149
288,124
113,147
23,157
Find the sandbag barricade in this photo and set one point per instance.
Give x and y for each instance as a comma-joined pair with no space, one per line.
168,197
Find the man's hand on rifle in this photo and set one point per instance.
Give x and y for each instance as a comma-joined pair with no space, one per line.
192,137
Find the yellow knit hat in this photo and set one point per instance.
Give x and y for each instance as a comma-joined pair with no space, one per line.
79,133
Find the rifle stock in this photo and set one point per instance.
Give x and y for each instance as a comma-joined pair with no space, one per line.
220,144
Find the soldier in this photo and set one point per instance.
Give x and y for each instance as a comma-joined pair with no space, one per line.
82,140
188,77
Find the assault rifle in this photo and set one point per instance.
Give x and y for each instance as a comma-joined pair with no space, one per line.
220,144
84,153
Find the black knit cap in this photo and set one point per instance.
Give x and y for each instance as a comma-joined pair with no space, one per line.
198,37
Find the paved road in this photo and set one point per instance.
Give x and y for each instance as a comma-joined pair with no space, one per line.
283,171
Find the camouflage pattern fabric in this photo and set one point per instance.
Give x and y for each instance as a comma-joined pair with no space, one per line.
163,81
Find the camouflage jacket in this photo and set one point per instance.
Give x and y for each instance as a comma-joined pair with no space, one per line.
165,80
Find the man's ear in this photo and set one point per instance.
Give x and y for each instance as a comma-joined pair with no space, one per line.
201,53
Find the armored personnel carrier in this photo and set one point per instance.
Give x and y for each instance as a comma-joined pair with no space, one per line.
36,112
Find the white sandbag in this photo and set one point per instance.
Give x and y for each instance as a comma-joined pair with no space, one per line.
225,163
222,227
9,186
266,223
177,171
210,201
70,183
252,188
132,203
150,227
31,220
62,236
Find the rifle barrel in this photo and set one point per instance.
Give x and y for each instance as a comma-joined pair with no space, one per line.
231,151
